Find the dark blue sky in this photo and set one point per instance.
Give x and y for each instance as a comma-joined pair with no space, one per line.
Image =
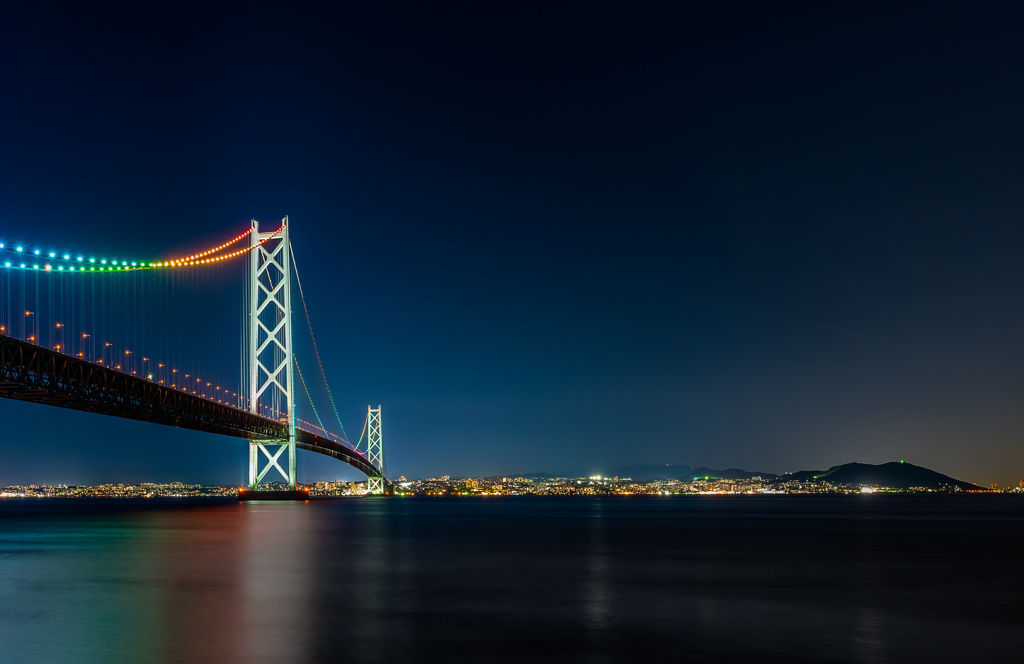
774,237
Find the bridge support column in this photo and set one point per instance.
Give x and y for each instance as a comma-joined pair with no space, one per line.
271,359
375,451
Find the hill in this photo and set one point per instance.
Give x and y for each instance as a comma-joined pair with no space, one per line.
896,474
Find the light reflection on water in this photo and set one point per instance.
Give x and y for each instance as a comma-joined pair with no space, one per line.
848,579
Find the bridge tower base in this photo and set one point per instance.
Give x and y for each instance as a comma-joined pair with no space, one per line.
250,494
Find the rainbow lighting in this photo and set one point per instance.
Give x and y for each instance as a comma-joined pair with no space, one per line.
107,266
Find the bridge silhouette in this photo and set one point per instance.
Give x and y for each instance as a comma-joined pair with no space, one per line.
264,413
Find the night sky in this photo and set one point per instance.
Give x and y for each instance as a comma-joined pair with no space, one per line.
546,237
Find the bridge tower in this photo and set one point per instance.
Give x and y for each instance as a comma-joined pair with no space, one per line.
375,451
270,348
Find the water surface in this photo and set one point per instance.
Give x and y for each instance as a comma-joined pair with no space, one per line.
698,578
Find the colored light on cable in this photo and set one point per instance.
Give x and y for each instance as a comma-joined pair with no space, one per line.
53,255
18,249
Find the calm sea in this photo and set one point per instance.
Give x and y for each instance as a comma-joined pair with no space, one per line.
713,578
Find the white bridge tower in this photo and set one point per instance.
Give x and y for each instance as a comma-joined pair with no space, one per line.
270,349
375,451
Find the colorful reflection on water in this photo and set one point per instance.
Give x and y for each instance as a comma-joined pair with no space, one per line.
802,578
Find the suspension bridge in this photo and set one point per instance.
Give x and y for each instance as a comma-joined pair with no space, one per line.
148,340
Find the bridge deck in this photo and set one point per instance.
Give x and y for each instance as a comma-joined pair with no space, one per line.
40,375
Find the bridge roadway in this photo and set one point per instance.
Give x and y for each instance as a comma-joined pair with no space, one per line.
40,375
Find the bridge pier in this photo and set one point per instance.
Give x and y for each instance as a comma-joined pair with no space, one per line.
255,494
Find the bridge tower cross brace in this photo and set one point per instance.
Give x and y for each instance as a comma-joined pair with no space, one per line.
270,348
375,450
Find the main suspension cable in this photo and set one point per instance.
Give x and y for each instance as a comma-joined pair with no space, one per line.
363,432
308,396
302,297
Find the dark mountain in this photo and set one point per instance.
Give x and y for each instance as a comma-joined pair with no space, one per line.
896,474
